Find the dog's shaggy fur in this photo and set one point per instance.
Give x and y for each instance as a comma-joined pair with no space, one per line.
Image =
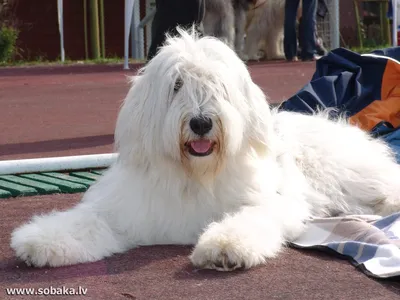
264,30
253,28
226,20
202,160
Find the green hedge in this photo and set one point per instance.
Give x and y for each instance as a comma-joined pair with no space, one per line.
8,39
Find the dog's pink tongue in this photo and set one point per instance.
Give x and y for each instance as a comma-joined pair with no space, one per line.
201,146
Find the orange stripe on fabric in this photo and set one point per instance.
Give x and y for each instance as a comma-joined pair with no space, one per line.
388,108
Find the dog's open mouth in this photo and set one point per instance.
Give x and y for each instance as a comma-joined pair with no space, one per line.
202,147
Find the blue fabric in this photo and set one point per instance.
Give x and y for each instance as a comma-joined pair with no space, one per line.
392,52
351,249
344,80
348,82
393,139
369,242
390,135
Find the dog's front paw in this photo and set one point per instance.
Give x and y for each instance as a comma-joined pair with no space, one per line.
39,247
260,55
224,251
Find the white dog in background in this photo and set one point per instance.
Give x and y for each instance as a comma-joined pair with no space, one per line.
226,20
202,160
264,30
254,28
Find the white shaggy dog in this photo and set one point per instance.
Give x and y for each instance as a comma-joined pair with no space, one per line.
203,161
264,30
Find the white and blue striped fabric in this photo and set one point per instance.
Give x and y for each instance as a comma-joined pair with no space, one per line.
371,243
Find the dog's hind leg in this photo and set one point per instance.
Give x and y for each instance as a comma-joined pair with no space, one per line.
385,184
371,181
240,24
377,192
274,44
220,27
358,173
225,30
219,21
64,238
252,43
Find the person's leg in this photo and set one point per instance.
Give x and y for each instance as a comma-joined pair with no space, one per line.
300,35
290,36
308,49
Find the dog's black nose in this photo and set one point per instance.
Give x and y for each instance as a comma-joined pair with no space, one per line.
201,125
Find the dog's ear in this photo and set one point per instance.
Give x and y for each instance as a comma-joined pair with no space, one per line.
260,126
128,133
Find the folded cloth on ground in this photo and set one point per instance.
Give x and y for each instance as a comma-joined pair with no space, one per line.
363,88
366,90
371,243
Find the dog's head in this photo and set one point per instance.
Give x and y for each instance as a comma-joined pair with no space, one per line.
194,104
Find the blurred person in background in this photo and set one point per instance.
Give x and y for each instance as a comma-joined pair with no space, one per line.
308,29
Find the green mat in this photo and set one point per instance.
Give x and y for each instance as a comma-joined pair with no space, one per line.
47,183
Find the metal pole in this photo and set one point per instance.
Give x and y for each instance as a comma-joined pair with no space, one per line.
127,25
133,42
85,29
94,29
148,28
394,25
147,18
335,24
61,27
136,36
138,32
102,29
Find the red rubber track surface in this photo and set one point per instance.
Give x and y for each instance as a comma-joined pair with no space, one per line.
57,111
71,110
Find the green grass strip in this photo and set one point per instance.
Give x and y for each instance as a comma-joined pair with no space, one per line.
67,177
99,172
64,185
85,175
4,194
17,189
42,188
